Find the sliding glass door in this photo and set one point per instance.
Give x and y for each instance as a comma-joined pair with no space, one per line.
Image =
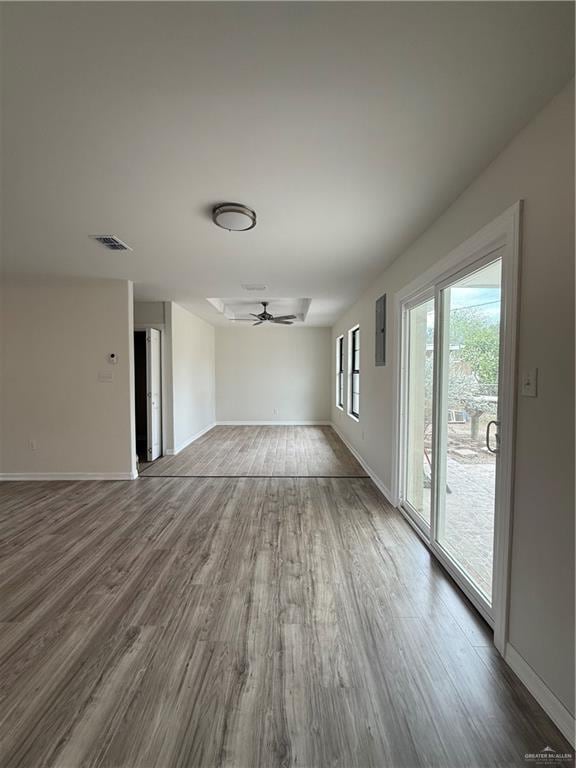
450,419
468,422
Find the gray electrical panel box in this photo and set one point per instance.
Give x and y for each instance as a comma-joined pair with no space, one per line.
380,334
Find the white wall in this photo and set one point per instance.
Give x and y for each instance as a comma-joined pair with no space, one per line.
149,313
192,368
1,236
537,166
272,374
58,334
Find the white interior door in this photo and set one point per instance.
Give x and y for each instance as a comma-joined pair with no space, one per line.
154,393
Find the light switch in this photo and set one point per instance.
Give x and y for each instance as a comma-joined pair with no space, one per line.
529,383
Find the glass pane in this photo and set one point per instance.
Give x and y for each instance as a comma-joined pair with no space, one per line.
467,469
355,404
356,350
420,361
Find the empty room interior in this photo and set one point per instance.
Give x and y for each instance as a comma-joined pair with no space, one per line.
287,384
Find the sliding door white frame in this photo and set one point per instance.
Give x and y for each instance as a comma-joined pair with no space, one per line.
413,301
502,234
441,345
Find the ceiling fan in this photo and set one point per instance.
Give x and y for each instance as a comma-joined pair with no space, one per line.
266,317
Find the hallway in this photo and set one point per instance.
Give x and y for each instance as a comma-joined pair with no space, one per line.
261,451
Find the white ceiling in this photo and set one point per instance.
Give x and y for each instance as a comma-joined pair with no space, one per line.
348,127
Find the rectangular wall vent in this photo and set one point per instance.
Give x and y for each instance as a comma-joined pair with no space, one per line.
253,287
111,242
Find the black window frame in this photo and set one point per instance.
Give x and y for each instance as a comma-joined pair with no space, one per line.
354,369
340,372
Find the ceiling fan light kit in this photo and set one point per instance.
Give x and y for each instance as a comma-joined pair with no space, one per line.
234,217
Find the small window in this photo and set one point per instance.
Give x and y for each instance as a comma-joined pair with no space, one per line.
354,397
340,372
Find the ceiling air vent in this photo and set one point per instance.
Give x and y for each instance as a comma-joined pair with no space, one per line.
253,287
111,242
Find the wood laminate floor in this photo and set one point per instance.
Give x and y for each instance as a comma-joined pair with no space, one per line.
241,622
269,451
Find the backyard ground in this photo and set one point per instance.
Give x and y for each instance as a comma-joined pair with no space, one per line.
468,529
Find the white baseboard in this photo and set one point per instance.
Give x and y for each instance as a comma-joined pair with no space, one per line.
273,423
369,471
28,476
553,707
189,441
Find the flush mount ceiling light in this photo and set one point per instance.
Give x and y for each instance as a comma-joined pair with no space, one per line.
234,217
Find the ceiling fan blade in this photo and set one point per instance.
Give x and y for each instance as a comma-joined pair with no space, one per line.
253,315
282,322
258,323
285,317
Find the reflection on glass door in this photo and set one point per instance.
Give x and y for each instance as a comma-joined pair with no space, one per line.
467,422
418,408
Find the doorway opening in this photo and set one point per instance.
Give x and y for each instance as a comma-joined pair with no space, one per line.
148,394
456,380
452,334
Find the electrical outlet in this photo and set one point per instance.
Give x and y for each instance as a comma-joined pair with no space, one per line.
529,383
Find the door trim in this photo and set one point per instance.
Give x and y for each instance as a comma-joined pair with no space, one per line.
501,234
508,387
415,299
150,330
166,366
